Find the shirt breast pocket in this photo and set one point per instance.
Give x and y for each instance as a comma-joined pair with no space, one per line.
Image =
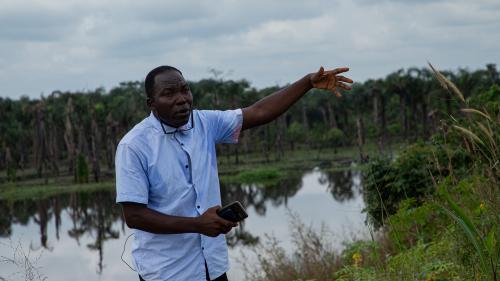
169,190
161,186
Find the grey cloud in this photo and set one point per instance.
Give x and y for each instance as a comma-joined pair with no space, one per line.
32,25
77,45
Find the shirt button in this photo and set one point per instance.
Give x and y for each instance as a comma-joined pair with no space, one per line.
182,143
203,248
187,166
198,206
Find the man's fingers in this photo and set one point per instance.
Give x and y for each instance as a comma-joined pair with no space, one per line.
318,74
340,70
321,70
226,223
344,79
343,86
226,230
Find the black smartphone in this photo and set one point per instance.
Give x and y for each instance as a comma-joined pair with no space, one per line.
233,212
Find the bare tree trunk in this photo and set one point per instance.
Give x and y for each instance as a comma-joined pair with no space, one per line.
305,121
69,137
22,159
95,137
40,140
244,142
236,155
10,166
324,115
414,118
377,119
53,149
383,121
81,167
402,114
279,137
110,141
331,115
268,143
424,119
360,139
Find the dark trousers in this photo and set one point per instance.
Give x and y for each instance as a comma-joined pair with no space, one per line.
223,277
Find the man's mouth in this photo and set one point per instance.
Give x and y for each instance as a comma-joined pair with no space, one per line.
183,113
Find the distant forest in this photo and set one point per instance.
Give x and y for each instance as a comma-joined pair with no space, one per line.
76,133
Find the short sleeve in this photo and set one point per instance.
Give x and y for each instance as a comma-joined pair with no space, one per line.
226,125
131,176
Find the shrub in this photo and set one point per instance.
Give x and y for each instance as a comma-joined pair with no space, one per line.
409,176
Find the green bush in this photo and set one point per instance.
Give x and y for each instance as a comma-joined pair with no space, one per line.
488,100
412,225
409,176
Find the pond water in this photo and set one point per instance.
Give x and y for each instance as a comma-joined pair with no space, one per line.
81,236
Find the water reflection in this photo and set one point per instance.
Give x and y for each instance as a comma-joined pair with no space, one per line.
341,183
95,214
90,213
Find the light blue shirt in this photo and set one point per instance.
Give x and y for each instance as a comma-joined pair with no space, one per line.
176,174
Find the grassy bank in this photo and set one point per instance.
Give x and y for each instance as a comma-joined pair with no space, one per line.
252,168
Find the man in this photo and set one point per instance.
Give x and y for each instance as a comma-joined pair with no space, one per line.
166,174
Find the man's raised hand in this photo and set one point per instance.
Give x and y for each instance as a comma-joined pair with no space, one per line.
331,80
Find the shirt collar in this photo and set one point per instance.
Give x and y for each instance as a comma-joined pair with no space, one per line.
155,122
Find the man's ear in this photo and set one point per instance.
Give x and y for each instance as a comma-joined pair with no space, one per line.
149,101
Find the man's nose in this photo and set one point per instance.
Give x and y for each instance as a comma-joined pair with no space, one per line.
182,100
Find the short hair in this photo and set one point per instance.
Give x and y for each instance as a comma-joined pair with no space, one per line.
149,82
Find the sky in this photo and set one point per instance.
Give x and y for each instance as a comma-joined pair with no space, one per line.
72,45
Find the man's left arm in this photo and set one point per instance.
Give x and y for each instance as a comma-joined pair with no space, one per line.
272,106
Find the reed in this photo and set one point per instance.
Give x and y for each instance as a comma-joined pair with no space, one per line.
483,135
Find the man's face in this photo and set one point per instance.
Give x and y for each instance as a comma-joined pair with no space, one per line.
172,99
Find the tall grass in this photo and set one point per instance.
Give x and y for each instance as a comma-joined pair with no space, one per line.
481,136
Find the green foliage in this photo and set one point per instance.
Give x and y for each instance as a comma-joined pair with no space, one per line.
412,225
266,176
323,137
408,176
11,173
353,273
478,230
387,182
296,132
489,100
82,170
361,252
334,137
426,261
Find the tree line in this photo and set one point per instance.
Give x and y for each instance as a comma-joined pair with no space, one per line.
76,133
